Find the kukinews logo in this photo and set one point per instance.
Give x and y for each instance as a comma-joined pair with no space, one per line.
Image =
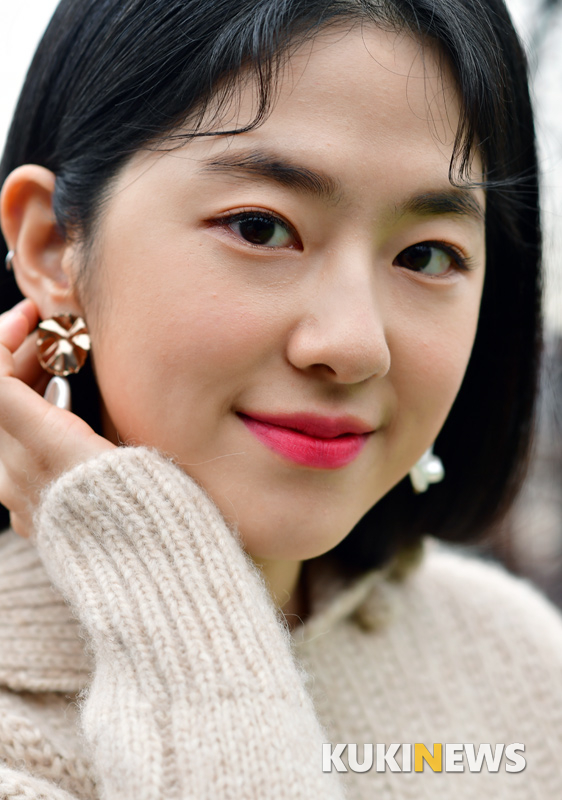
413,757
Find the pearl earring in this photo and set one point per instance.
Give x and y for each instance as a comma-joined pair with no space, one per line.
58,393
429,469
63,344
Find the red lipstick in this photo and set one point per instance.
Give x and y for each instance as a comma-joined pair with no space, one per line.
313,441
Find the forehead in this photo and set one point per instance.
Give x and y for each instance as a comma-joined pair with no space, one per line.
372,75
368,107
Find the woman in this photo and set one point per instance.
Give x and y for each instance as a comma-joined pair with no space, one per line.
304,239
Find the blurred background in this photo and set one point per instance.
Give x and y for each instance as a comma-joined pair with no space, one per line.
530,541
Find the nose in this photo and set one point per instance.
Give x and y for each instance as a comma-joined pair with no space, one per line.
341,334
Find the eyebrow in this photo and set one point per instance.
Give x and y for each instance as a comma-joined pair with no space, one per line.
260,164
457,201
255,164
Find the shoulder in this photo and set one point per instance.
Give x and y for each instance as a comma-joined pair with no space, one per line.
453,600
481,583
457,589
439,588
41,753
41,649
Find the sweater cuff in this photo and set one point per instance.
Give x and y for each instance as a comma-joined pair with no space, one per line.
141,554
193,668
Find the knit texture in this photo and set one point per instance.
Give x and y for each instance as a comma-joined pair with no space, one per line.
166,672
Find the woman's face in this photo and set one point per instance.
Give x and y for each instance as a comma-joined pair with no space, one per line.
288,312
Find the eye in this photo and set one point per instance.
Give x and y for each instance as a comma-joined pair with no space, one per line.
261,229
431,258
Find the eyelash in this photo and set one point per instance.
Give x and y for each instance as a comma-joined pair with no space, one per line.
462,262
265,216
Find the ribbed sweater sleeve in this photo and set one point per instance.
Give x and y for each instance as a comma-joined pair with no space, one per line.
195,691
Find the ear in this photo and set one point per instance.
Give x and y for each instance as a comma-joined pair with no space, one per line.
44,260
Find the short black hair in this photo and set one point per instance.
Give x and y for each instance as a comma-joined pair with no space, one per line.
113,76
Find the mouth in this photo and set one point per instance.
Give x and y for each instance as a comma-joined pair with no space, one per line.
309,440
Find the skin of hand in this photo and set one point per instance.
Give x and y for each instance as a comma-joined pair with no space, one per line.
38,441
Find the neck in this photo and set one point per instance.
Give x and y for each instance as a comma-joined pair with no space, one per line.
283,578
285,584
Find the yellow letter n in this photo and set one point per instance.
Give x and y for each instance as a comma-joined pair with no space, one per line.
435,760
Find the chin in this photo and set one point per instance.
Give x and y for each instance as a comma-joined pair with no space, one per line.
301,544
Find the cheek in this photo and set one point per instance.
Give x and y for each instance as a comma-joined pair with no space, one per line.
188,308
430,363
185,356
439,366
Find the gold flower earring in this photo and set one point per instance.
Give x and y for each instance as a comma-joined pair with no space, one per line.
63,345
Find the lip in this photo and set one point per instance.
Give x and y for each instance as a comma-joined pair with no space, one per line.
308,439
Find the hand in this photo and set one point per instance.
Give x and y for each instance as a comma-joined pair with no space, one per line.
38,442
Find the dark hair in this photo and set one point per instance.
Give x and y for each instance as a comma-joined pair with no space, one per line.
113,76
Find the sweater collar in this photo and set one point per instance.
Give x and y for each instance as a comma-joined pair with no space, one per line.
369,601
42,650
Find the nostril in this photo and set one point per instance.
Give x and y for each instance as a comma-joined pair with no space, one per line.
341,348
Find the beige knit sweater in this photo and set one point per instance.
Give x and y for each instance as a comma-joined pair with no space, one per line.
180,681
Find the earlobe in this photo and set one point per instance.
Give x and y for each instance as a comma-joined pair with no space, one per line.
41,263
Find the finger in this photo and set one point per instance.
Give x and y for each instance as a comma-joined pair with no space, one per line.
19,476
27,366
50,432
22,411
21,524
26,307
13,330
14,327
